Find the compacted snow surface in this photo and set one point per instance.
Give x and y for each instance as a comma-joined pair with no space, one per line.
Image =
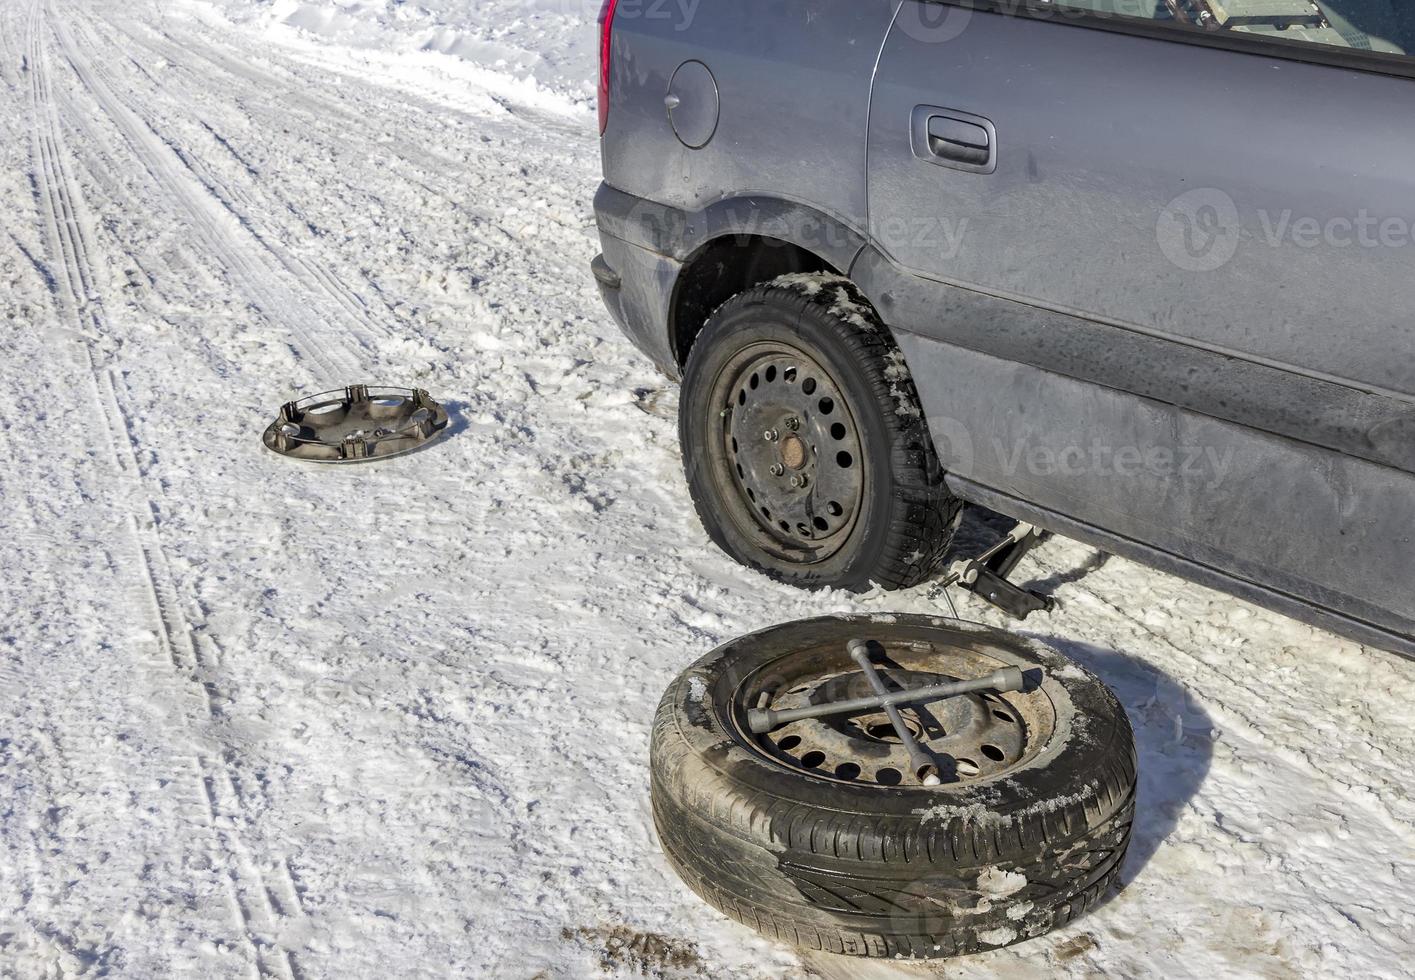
259,718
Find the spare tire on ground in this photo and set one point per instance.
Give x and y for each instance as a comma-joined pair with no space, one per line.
816,833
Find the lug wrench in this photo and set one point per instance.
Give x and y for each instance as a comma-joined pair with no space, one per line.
920,762
761,721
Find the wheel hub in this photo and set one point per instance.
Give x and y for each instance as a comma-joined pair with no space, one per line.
968,737
792,449
793,452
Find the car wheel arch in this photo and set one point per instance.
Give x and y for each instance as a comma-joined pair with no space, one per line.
742,241
720,269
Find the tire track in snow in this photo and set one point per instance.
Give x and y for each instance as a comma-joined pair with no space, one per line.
290,93
357,102
79,300
12,58
312,276
255,265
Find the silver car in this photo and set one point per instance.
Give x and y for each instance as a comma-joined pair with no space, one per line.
1141,273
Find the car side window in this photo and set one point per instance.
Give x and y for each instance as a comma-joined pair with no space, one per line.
1384,27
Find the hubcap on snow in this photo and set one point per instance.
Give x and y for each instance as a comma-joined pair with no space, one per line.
792,448
968,737
357,423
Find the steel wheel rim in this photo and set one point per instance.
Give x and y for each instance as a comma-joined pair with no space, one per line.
789,450
973,738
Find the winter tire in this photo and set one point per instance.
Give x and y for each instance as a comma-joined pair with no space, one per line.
806,452
813,835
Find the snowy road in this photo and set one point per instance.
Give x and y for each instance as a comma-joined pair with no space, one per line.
264,719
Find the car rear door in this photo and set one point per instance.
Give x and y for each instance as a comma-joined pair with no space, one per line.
1201,240
1220,197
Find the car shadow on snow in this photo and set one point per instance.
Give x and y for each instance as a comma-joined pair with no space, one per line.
1173,733
1174,739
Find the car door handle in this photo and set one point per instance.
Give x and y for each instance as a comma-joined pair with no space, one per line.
954,139
950,138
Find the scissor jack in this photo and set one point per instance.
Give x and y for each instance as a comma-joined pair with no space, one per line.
986,574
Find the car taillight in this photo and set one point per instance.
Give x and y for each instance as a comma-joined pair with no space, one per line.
606,31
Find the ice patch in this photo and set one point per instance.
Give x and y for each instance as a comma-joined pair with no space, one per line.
996,883
982,815
1069,673
975,813
1000,936
854,313
1019,911
809,283
698,690
901,385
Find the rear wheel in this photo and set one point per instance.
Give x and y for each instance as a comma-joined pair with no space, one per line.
806,452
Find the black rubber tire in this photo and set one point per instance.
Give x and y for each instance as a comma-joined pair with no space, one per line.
908,516
882,871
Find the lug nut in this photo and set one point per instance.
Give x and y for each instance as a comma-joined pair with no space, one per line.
771,435
793,423
798,481
777,469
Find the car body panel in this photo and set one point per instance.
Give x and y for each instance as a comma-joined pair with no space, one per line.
645,245
1168,187
1294,519
793,82
1373,426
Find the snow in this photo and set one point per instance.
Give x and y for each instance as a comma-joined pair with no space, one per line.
998,937
999,883
263,718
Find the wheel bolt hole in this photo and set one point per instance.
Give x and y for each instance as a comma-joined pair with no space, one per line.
1003,716
812,759
837,431
789,375
888,777
820,524
754,382
993,752
834,509
847,770
826,406
771,373
809,386
966,767
788,743
844,460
